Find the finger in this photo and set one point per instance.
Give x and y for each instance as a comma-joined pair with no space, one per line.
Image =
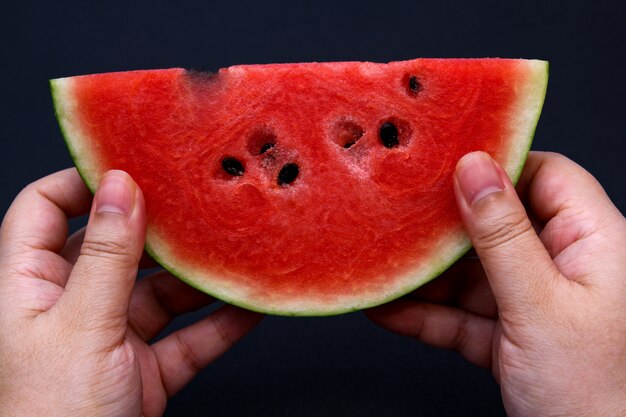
552,182
158,299
37,219
464,285
43,265
99,288
72,249
448,287
566,198
440,326
520,270
186,352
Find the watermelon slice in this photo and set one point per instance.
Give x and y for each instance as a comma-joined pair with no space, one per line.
303,189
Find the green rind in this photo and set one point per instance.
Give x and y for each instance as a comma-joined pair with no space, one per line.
540,79
61,117
59,114
302,313
543,81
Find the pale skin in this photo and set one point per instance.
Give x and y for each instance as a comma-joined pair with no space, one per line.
75,326
546,311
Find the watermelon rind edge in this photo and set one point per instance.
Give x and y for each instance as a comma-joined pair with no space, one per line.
542,83
57,91
59,88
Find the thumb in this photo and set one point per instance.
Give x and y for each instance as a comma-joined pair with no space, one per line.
519,269
100,284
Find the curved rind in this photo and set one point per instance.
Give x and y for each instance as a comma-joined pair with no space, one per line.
522,126
530,105
60,89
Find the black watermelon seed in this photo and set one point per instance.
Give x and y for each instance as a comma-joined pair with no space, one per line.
232,166
389,135
288,173
349,144
266,147
414,84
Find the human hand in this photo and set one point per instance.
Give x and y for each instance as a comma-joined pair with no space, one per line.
546,311
74,327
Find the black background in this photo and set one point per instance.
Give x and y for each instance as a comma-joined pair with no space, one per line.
337,366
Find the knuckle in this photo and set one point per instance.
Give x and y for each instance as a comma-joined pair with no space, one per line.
418,327
565,168
557,158
31,188
187,354
460,336
105,248
161,293
502,230
35,190
222,333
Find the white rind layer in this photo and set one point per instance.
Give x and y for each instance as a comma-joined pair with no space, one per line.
78,143
524,116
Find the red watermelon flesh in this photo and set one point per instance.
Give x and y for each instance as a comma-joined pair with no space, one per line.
303,189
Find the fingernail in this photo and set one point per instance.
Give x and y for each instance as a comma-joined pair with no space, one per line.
116,194
478,177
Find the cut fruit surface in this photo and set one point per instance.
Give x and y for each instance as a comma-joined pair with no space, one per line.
303,189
